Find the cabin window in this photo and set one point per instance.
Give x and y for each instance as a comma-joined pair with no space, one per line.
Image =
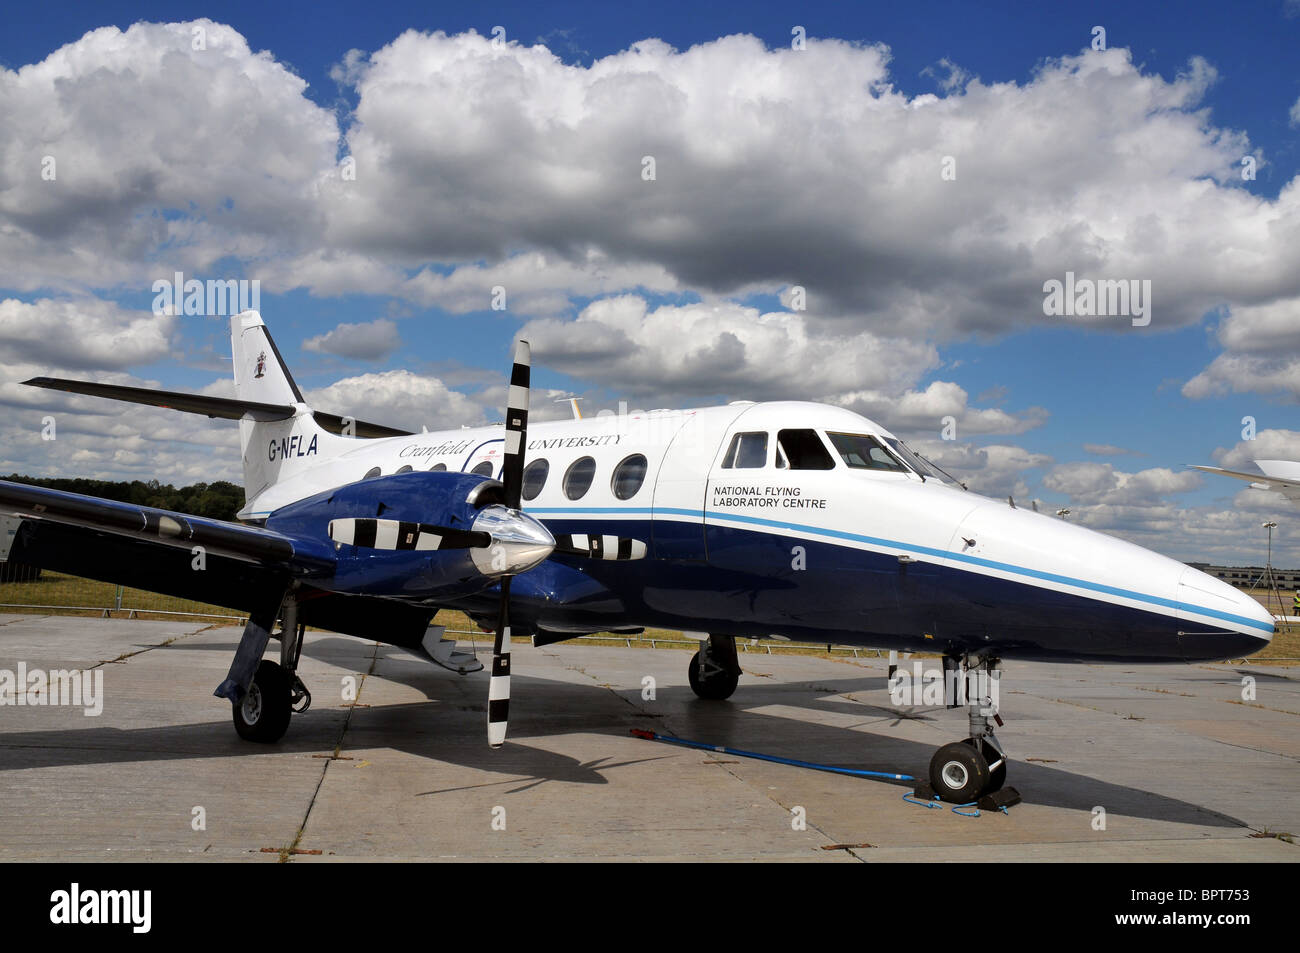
406,469
372,472
802,450
483,469
864,452
628,476
748,451
437,467
535,478
577,479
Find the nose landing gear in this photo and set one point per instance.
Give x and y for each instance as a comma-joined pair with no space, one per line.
974,769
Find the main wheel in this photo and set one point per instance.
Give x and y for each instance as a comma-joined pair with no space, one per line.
263,713
718,685
958,773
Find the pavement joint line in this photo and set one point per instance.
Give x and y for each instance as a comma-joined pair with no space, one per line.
293,849
126,656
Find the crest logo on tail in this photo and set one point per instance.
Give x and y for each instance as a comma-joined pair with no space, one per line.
261,365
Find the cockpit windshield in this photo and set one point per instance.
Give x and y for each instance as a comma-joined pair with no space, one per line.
864,452
920,464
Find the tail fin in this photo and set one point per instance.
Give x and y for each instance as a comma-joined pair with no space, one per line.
273,450
260,371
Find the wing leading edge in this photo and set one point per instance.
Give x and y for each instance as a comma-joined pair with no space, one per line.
250,543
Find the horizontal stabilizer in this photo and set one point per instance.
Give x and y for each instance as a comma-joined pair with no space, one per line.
226,407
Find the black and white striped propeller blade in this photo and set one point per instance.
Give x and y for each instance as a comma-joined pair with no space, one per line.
512,471
499,686
600,547
512,479
402,534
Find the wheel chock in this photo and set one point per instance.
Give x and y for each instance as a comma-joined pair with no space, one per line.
999,800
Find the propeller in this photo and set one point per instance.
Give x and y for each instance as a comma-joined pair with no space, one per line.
512,479
502,541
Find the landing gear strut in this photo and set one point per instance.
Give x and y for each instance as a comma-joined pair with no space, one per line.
263,694
975,768
714,671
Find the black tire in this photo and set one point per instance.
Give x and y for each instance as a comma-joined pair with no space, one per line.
958,773
262,715
717,687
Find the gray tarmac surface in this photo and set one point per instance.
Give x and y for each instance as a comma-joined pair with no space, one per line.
1183,768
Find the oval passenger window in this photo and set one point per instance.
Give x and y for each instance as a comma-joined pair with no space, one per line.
628,476
577,479
535,478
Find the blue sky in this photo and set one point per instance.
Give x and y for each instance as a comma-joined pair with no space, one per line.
1123,386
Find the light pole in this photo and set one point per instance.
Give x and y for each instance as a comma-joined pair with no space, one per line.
1267,577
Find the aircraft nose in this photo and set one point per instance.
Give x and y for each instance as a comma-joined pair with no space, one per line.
1220,622
519,542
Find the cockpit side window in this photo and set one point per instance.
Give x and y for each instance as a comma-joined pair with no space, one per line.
803,450
864,452
748,451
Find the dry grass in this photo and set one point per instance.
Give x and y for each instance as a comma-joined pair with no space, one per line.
72,595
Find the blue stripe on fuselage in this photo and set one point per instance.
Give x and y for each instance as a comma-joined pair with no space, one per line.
802,529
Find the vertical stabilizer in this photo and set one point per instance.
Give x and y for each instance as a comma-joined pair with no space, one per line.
274,450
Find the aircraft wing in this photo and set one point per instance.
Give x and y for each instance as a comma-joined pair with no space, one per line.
243,567
1261,481
165,528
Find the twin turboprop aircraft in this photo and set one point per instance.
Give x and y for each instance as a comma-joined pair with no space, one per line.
798,520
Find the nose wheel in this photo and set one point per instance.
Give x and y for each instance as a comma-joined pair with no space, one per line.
975,769
965,771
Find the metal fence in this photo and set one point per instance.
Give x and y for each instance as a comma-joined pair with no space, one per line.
26,588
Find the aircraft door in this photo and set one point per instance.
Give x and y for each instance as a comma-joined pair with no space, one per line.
677,524
486,459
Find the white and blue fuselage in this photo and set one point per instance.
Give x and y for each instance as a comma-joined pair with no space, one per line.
792,519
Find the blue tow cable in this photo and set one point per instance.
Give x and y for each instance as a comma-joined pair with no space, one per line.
794,762
720,749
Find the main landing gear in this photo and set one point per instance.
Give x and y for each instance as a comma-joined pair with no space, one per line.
975,768
715,670
263,700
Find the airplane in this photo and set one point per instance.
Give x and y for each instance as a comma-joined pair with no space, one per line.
1280,475
792,519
